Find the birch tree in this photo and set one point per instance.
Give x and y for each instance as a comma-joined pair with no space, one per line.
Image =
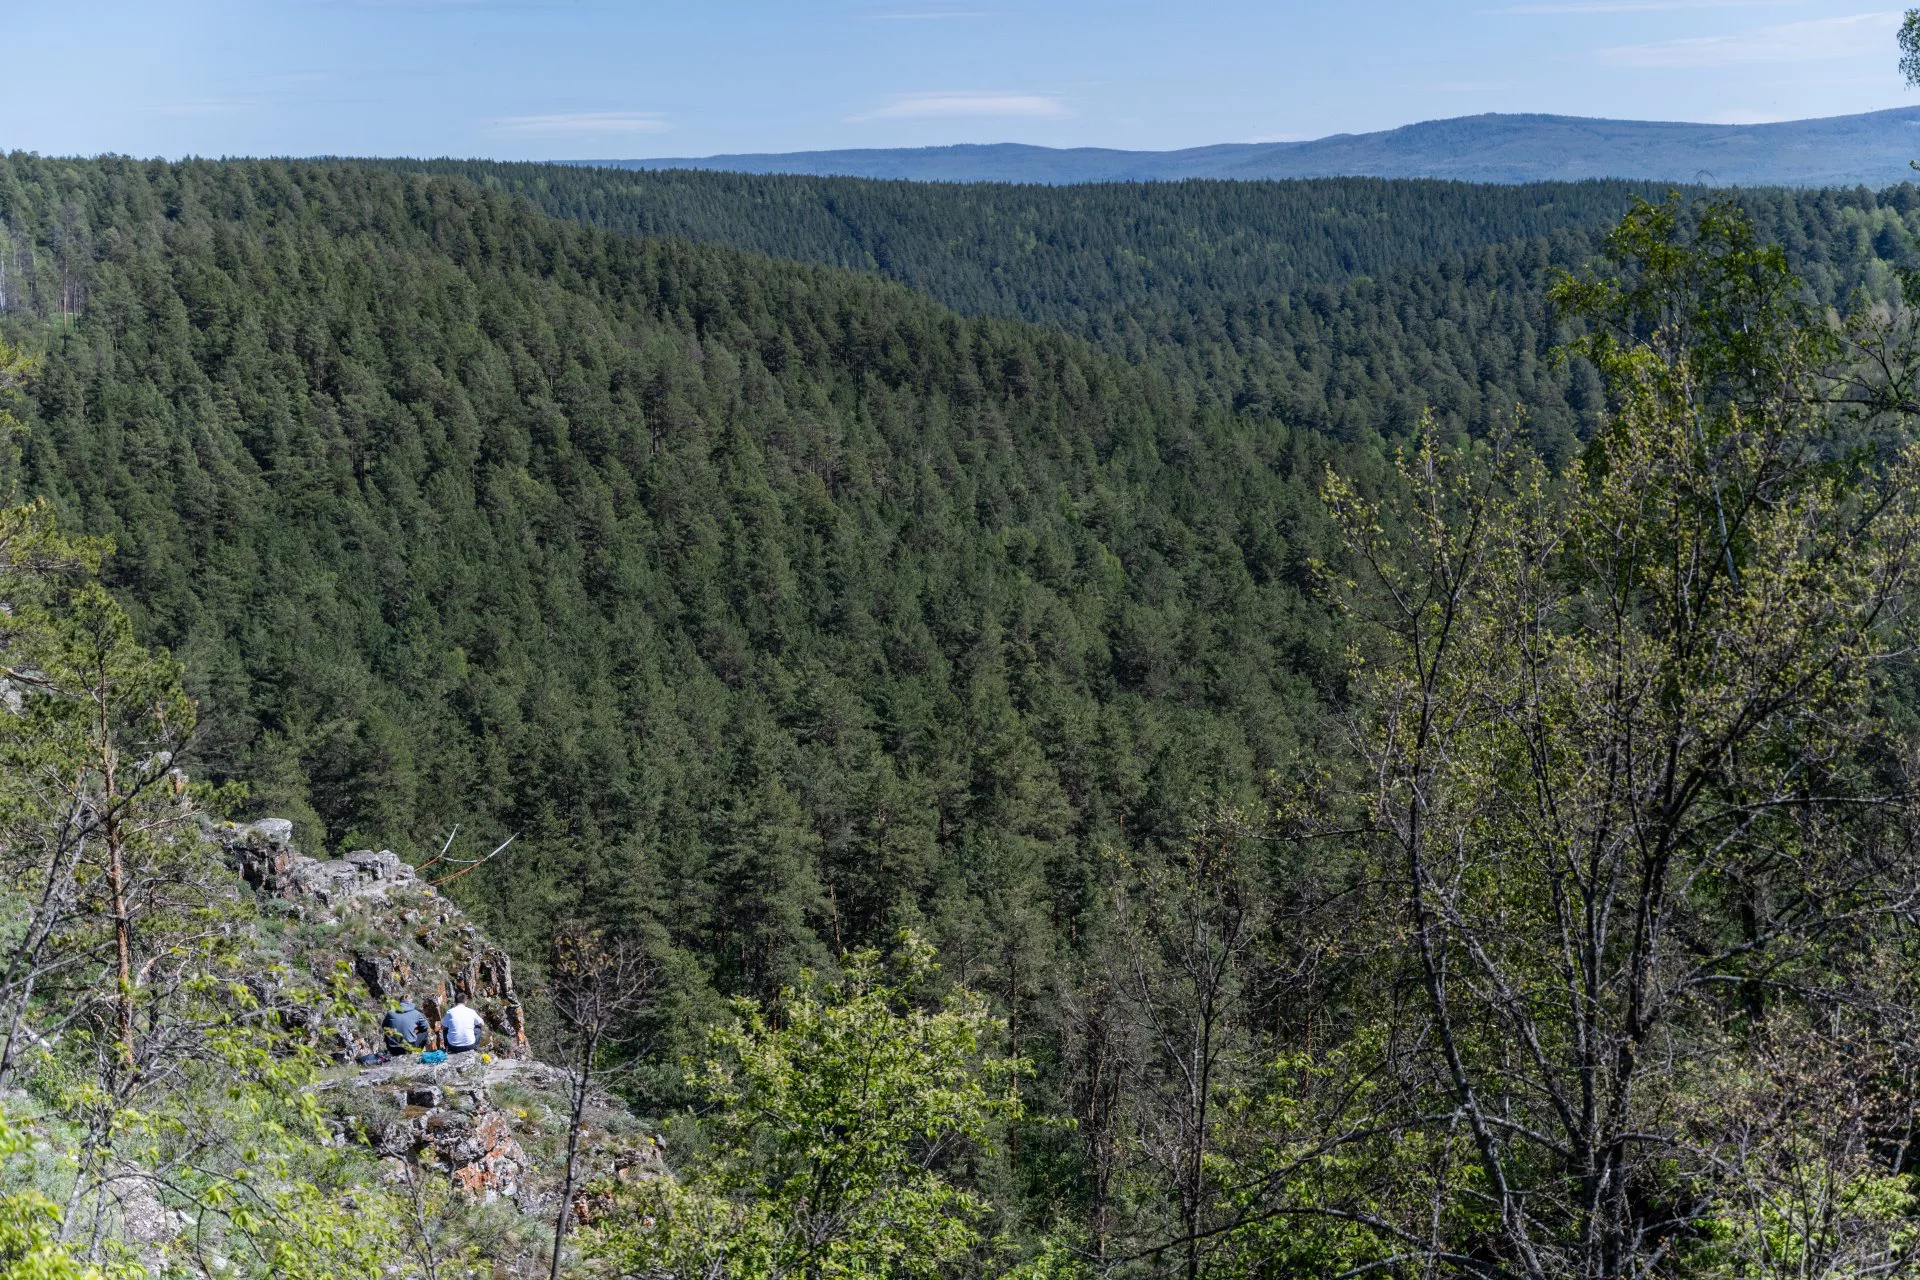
1629,774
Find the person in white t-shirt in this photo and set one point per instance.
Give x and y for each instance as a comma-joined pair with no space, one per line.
463,1027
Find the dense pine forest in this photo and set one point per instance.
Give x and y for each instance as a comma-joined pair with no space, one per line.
782,595
1345,305
1078,634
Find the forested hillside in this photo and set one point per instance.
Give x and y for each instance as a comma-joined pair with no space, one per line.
1068,258
1347,305
777,605
1230,736
1085,257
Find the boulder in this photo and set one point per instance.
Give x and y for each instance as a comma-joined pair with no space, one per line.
444,1116
271,833
262,851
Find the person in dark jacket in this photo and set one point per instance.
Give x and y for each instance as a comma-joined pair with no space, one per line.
405,1029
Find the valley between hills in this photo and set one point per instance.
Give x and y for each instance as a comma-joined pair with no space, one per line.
1319,727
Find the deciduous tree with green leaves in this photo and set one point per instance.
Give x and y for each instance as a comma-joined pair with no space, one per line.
1633,780
137,1012
842,1122
1909,39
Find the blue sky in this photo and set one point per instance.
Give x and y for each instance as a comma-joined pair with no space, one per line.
598,78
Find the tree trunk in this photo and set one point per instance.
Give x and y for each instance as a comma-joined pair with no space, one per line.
582,1077
24,968
116,879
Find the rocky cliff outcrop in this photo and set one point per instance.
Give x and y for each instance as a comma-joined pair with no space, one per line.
496,1128
363,931
369,913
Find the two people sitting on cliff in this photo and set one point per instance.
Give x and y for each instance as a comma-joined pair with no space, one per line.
406,1029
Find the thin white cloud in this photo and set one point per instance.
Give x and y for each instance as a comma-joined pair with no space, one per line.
1554,7
1861,34
968,105
582,124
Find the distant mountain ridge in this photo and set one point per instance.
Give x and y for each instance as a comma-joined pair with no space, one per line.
1859,150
